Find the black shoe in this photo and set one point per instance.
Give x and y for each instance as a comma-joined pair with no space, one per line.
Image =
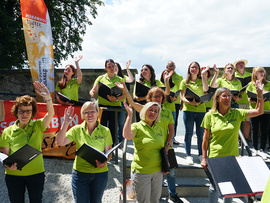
175,198
176,142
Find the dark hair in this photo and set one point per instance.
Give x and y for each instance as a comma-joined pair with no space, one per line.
170,80
25,100
189,74
107,61
62,82
120,72
152,76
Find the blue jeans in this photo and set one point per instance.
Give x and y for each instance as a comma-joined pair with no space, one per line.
174,119
189,119
213,196
121,122
88,187
171,182
16,186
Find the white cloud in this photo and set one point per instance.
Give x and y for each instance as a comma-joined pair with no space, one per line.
155,31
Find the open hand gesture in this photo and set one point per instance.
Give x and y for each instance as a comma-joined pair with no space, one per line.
128,64
42,90
68,115
77,59
216,69
128,108
121,85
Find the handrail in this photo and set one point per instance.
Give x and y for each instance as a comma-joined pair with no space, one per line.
244,144
124,171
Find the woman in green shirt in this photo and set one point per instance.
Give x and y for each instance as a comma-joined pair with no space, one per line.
88,181
148,140
221,127
261,121
69,85
26,131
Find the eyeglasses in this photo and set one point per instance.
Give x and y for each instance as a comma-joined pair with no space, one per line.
171,66
144,69
260,71
20,111
89,112
153,111
195,67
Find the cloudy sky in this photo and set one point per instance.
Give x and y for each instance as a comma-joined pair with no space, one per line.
156,31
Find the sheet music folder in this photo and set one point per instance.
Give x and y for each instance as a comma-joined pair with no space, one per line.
105,90
239,176
22,156
141,90
190,95
66,99
91,154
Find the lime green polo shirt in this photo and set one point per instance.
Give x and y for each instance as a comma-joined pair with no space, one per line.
72,89
231,85
252,88
176,78
223,132
147,142
111,83
196,87
99,138
266,193
244,99
210,103
15,138
166,119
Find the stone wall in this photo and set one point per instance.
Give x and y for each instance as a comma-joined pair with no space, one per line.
14,83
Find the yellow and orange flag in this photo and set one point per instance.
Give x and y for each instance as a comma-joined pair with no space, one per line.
39,44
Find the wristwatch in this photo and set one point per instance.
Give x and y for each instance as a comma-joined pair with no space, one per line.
168,144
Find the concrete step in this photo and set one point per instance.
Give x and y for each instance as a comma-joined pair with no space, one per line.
188,187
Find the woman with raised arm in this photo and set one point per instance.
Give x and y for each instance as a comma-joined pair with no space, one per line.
148,140
69,85
261,121
147,78
221,127
88,182
109,79
122,114
228,80
26,131
156,94
193,112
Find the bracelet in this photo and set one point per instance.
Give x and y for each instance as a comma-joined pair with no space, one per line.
49,100
124,92
166,80
259,97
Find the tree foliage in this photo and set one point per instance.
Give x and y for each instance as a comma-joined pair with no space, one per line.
69,19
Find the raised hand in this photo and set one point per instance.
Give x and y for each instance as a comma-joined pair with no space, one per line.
128,64
128,108
68,115
216,69
42,90
77,59
259,88
121,85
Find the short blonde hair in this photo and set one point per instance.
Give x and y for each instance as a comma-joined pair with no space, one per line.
254,77
218,92
146,107
87,104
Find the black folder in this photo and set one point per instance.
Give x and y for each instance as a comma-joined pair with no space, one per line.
190,95
173,94
235,177
22,156
238,92
141,90
105,90
244,81
66,99
168,161
91,154
253,95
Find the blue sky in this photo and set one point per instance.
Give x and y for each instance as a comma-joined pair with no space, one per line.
156,31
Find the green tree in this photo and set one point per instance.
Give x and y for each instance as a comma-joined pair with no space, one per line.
69,19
